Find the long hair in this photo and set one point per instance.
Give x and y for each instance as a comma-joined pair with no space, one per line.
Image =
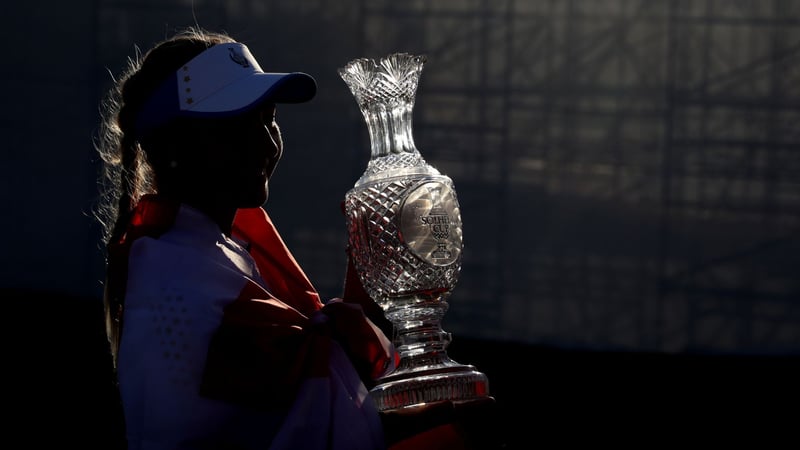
127,170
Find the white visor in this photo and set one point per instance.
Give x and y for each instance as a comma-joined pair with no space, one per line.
224,80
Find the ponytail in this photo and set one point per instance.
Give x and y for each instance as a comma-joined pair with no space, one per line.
126,173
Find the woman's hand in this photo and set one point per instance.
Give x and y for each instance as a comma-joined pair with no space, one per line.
354,292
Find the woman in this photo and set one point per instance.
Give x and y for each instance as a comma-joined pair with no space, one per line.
218,337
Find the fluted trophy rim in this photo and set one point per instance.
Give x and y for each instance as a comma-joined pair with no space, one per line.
377,62
386,81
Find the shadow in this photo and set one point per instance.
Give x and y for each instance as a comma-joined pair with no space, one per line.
62,391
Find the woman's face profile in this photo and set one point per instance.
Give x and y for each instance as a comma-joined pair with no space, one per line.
237,156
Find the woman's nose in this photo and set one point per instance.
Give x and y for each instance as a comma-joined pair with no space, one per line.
273,145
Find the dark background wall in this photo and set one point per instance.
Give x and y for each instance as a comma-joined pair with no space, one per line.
628,172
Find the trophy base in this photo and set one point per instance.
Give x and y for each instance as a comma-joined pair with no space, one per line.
450,382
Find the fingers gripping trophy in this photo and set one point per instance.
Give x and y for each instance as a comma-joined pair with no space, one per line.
405,237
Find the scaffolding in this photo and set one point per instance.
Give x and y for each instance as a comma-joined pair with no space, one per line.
628,170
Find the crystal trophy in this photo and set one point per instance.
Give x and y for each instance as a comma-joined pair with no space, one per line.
405,237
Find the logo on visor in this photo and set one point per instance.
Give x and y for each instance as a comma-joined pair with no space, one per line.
238,57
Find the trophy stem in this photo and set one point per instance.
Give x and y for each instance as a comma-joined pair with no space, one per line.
419,337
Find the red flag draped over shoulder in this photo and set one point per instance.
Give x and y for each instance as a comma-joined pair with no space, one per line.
278,268
269,342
